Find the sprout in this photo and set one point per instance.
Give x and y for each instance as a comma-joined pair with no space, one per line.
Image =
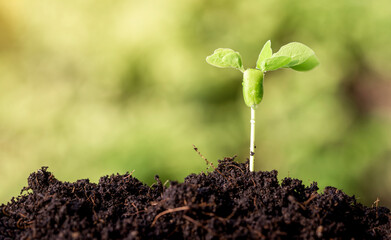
296,56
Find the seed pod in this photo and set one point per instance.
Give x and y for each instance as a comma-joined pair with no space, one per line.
252,87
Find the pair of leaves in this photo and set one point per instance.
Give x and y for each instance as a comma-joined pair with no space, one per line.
267,62
296,56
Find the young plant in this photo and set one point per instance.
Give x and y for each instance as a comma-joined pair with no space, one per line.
296,56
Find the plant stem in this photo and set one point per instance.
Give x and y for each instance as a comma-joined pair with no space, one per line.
252,139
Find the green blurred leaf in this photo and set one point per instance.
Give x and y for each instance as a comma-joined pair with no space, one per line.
307,65
265,53
275,63
298,52
224,58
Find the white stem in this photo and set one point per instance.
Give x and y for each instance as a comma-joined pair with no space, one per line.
252,139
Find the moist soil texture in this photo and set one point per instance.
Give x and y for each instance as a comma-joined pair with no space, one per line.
229,202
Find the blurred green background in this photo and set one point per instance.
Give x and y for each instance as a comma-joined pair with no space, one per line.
92,88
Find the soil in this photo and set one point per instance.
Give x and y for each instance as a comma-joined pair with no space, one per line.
228,203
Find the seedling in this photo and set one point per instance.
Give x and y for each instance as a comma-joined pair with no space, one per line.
296,56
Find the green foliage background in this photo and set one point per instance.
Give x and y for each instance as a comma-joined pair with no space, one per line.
91,88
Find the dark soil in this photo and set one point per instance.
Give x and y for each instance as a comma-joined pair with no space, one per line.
228,203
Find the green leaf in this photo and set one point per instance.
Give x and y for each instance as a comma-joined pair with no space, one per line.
266,53
224,58
298,52
307,65
275,63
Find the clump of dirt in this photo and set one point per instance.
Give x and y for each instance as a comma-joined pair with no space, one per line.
228,203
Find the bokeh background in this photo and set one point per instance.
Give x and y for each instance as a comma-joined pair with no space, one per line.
91,88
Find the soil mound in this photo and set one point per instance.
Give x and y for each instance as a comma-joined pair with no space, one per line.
228,203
